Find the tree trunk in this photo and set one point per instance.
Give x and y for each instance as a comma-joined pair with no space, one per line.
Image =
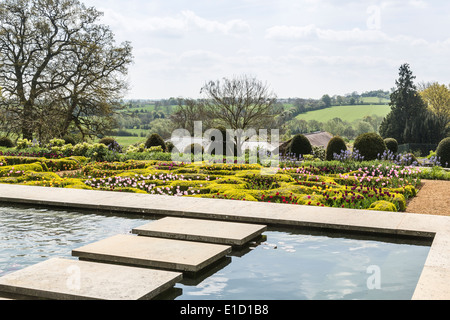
68,120
27,120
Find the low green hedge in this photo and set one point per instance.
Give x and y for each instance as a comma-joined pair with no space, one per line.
20,169
63,164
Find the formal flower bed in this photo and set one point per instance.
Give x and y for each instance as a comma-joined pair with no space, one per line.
378,185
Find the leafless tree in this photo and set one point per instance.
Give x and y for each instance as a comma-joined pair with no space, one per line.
240,104
188,112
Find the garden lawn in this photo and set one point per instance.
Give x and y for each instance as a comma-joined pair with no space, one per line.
377,187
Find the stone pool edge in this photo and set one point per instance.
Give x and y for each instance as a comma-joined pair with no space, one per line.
433,284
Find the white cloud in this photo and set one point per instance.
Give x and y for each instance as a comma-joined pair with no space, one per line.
311,32
163,26
418,3
287,33
174,26
355,35
301,48
235,26
199,59
306,49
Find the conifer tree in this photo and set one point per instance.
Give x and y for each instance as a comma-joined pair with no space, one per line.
405,121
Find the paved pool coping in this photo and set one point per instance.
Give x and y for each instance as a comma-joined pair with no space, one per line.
434,282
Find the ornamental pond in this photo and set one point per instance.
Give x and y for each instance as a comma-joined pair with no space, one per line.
284,264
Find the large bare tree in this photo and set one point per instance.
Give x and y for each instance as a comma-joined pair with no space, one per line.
189,111
59,68
240,104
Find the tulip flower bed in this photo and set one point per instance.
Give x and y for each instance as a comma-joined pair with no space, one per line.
380,186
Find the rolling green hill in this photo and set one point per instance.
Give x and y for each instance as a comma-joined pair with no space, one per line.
375,100
347,113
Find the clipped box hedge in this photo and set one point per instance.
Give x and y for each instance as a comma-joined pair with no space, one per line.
220,181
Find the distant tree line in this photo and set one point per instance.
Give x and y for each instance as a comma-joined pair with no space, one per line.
186,111
418,115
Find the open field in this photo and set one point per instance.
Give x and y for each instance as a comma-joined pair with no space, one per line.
374,100
127,141
347,113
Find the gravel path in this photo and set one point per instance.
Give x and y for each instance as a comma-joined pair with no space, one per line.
433,198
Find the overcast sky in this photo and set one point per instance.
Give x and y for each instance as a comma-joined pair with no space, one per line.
301,48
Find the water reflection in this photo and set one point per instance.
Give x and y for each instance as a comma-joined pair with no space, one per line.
282,264
29,236
312,266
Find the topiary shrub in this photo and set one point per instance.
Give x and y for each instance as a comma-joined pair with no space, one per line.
300,145
171,147
370,145
315,200
383,205
236,194
194,148
335,145
155,140
112,144
6,142
443,152
64,164
229,148
391,145
19,169
400,200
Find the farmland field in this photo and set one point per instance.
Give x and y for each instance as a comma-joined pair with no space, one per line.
375,100
347,113
127,141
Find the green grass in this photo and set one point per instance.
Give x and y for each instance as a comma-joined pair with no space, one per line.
138,131
127,141
347,113
375,100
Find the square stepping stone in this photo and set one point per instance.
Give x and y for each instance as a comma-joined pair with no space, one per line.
220,232
152,252
70,279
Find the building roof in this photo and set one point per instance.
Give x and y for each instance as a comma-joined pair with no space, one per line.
318,139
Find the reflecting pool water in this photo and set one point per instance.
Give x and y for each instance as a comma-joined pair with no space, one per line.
282,265
289,266
29,236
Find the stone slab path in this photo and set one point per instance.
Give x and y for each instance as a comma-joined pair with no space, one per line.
132,267
67,279
220,232
151,252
